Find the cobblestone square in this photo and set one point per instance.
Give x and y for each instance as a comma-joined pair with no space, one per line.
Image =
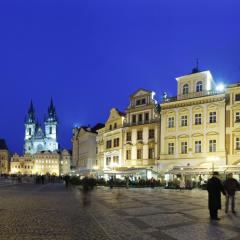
51,211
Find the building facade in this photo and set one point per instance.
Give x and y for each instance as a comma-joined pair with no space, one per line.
233,124
141,133
42,163
84,148
193,124
4,157
110,142
37,139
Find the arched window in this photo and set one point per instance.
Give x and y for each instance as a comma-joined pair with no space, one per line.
199,86
185,89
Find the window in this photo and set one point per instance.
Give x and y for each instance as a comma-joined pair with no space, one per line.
237,97
109,144
115,159
140,118
108,161
170,148
30,131
183,121
212,145
171,122
198,119
238,143
151,153
115,125
185,89
139,135
237,118
129,136
139,153
140,101
146,117
110,127
212,117
151,133
116,142
128,154
198,146
184,147
50,130
134,119
199,86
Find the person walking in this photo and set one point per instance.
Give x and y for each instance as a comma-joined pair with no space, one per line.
214,188
230,186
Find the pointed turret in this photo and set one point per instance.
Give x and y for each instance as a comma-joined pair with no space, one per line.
52,116
31,114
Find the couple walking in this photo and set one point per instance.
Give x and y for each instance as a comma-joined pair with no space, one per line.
215,188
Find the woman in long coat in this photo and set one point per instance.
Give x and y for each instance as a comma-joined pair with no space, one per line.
214,187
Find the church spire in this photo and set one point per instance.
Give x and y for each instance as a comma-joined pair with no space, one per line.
31,114
52,115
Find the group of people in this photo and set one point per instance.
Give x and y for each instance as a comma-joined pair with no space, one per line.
215,188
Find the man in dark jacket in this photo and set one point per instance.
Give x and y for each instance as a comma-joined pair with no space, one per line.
231,185
214,187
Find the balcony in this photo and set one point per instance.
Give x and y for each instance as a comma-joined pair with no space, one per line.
142,122
192,95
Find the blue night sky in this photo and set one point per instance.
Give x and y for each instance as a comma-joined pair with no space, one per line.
91,55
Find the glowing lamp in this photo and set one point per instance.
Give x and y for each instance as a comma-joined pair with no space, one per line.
220,87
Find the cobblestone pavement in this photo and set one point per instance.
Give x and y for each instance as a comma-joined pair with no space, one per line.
50,211
140,214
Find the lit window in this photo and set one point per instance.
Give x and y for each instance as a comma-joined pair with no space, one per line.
170,148
198,146
212,117
198,119
171,122
199,86
185,89
183,121
184,147
212,145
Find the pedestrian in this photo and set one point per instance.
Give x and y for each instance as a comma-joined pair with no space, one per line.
67,179
214,188
127,181
230,186
111,182
182,184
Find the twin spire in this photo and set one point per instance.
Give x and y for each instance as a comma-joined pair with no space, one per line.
52,115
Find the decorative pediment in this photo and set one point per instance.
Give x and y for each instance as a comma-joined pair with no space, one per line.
141,92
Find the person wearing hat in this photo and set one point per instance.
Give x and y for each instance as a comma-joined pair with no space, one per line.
214,188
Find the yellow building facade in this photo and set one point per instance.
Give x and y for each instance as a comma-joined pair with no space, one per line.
141,133
233,124
193,124
110,142
42,163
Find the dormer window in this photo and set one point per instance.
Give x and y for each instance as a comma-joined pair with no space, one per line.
140,101
199,86
185,89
